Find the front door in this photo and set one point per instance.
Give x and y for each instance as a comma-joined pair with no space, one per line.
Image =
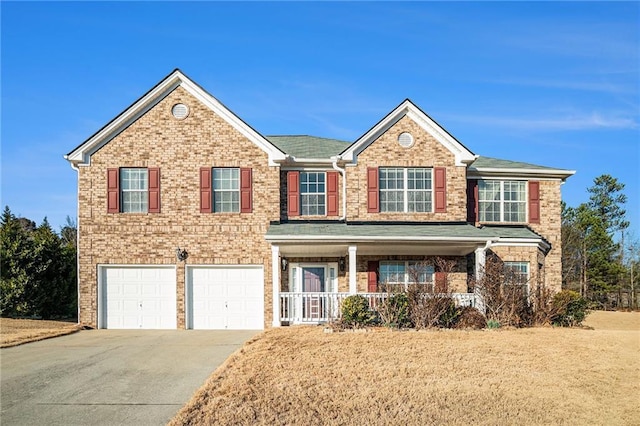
313,304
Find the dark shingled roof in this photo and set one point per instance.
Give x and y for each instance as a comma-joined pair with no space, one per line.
304,146
496,163
402,230
383,229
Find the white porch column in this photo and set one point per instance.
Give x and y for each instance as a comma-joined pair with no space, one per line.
275,273
353,287
481,257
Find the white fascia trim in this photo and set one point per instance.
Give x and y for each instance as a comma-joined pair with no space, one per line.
306,164
323,238
521,242
551,174
462,155
234,120
81,156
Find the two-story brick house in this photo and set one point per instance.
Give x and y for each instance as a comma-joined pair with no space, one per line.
276,229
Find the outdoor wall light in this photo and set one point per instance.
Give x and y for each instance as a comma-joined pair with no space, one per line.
284,263
181,255
342,264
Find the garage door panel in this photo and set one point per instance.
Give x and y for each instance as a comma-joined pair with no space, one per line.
139,297
226,297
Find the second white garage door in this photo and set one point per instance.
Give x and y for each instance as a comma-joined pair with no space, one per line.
225,298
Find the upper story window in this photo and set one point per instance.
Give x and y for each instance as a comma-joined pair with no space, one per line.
404,273
312,193
134,184
133,190
405,189
226,190
502,201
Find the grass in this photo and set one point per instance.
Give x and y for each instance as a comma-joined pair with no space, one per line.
15,332
301,375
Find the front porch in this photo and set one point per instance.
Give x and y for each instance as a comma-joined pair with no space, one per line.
316,265
321,307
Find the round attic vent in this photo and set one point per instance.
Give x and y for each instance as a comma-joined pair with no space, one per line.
405,140
180,111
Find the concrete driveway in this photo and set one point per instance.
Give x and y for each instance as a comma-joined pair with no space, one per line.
109,377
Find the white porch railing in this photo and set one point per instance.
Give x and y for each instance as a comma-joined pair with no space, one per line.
300,308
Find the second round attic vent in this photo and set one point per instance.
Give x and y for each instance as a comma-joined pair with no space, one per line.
180,111
405,140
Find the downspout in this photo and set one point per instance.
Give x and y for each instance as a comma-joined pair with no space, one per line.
480,265
77,169
343,172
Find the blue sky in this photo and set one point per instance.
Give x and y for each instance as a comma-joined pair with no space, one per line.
555,84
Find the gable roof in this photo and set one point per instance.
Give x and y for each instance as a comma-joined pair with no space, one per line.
407,108
81,155
487,166
308,147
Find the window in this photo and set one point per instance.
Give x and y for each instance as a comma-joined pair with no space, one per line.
133,190
517,273
226,190
502,201
312,193
406,189
404,273
134,184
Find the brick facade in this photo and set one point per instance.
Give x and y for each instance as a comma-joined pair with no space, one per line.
180,147
425,152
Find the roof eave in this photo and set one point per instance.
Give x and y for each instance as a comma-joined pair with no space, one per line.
463,155
81,155
519,172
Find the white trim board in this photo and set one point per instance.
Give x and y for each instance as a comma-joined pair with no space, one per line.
81,156
462,155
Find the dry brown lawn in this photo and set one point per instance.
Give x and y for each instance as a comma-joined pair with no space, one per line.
18,331
303,376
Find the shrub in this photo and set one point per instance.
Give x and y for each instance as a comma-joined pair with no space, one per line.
432,305
471,318
492,323
570,308
394,312
450,316
543,308
505,302
355,311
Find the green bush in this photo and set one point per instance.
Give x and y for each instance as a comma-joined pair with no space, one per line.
492,324
355,311
394,312
570,308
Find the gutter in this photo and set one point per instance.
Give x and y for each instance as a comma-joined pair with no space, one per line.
334,164
279,239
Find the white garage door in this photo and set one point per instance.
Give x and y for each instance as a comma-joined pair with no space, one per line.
225,298
138,297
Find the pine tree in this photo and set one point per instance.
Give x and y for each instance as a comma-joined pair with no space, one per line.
17,265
